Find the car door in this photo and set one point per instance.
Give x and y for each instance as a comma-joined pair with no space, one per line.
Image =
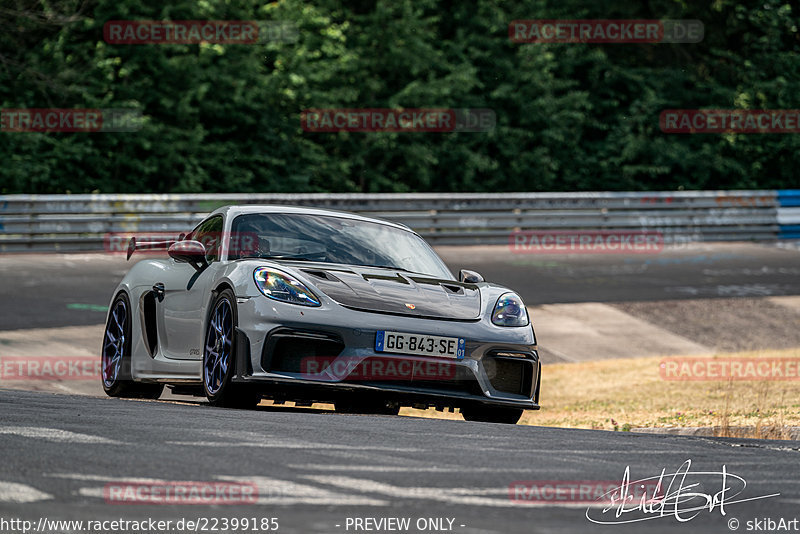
186,294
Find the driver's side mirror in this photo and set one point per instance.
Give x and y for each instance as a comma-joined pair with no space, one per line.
470,277
191,252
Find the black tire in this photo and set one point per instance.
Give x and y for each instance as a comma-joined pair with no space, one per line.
217,384
115,356
485,414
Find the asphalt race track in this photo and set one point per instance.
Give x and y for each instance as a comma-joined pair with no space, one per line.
51,290
314,470
696,270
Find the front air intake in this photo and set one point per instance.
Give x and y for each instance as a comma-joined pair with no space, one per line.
511,372
286,349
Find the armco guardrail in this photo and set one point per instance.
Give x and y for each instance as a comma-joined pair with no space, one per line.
79,222
789,213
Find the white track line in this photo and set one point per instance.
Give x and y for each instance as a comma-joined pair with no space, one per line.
462,496
270,443
55,434
270,490
412,468
285,492
20,493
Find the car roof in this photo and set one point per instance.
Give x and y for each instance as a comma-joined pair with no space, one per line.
231,211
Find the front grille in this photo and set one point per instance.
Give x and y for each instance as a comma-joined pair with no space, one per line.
286,350
510,375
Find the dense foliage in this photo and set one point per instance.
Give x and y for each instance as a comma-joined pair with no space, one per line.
227,117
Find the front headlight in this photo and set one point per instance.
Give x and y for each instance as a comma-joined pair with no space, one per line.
280,286
510,311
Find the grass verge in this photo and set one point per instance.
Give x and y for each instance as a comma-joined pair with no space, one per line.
622,394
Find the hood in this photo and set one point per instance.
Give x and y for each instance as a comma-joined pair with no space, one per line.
397,292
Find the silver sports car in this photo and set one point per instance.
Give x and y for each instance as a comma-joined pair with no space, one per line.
311,305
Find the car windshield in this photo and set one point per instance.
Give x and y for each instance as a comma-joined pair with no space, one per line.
328,239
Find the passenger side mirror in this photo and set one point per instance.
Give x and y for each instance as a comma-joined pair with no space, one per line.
470,277
191,252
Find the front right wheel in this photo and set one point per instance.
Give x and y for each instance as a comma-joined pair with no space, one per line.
219,357
487,414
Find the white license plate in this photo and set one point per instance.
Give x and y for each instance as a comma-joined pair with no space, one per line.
419,344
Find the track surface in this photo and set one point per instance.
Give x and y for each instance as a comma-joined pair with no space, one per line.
694,271
314,470
51,290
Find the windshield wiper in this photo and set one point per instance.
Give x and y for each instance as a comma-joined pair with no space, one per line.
291,258
301,258
392,267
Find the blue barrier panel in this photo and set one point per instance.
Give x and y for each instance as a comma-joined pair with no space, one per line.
788,198
789,231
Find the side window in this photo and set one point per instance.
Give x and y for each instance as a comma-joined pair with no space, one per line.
209,233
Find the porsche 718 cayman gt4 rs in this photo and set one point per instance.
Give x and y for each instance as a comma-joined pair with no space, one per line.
310,305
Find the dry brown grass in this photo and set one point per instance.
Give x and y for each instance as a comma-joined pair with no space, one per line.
625,393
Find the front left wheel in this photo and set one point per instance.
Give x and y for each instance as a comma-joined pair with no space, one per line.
219,357
116,356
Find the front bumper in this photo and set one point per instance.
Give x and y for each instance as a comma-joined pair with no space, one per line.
500,368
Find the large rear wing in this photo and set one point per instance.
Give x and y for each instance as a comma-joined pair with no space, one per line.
134,245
